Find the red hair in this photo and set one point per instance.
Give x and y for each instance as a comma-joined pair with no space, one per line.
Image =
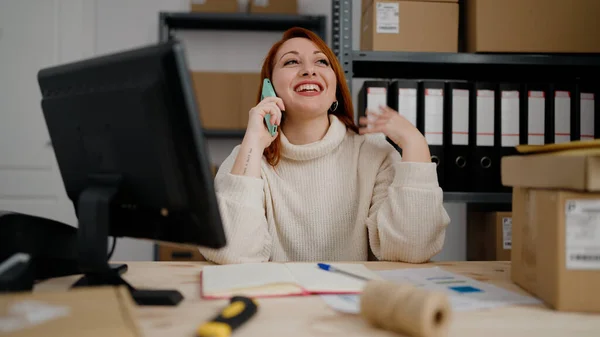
344,111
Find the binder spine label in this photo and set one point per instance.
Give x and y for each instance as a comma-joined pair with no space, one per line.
388,18
376,97
536,118
407,104
485,118
562,117
460,117
587,116
509,113
434,116
582,231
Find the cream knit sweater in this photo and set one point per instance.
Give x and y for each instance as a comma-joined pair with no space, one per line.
346,197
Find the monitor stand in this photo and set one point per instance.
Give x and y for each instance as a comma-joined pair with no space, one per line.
94,214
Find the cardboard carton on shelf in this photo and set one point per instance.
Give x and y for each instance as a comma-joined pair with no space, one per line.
410,25
489,236
224,98
274,6
214,6
532,26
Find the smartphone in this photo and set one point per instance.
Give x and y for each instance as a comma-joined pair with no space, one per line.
268,91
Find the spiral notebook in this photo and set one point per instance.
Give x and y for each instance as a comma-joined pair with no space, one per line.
281,279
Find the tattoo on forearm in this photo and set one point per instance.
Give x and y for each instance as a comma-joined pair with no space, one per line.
247,161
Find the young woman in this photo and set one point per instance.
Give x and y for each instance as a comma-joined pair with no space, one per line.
322,189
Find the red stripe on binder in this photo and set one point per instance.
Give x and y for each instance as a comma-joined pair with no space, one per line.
538,94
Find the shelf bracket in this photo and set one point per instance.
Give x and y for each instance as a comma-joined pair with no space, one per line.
341,36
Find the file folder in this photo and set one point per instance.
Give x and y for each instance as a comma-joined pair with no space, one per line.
510,123
431,106
563,110
588,111
456,136
402,97
539,123
485,166
371,95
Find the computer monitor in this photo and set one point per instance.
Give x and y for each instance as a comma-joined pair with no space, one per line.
128,140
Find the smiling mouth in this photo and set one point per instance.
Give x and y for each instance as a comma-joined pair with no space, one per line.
308,88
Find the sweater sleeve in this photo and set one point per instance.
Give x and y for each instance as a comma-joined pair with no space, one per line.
241,202
407,220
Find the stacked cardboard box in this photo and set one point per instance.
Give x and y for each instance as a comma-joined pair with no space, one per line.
556,225
251,6
489,236
225,98
532,26
409,25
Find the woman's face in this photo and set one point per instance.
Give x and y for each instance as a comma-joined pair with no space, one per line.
303,79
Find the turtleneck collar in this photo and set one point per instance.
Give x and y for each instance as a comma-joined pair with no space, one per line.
334,136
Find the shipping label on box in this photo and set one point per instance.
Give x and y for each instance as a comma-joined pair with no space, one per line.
582,231
506,233
388,19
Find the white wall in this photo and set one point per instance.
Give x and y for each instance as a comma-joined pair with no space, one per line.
117,25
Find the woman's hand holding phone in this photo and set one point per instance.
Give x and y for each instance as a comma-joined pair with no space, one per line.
257,131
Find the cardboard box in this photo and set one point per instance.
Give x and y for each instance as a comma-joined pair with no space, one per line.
224,99
214,6
572,170
86,312
174,252
274,6
419,26
547,26
556,247
489,236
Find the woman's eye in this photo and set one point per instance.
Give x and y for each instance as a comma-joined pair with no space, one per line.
323,61
290,62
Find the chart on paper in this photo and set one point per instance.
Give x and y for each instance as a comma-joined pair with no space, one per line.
465,293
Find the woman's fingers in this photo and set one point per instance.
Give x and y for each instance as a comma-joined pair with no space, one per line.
276,100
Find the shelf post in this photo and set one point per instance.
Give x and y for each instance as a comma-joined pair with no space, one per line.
341,36
163,28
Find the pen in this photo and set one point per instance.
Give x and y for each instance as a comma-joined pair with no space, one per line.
328,267
239,310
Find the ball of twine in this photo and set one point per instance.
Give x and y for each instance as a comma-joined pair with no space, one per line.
406,309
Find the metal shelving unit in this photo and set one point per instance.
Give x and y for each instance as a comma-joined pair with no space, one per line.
169,22
431,65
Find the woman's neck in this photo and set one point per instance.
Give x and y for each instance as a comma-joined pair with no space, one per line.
306,131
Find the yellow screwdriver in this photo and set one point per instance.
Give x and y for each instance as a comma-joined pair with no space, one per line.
239,311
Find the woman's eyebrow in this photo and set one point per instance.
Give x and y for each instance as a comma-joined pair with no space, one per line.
289,52
296,53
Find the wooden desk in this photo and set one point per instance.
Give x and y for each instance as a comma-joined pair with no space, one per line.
310,316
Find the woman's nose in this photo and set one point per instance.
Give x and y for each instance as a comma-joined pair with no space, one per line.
308,71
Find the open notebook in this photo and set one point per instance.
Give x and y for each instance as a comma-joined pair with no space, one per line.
281,279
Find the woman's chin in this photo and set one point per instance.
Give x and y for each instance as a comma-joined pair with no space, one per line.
312,110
